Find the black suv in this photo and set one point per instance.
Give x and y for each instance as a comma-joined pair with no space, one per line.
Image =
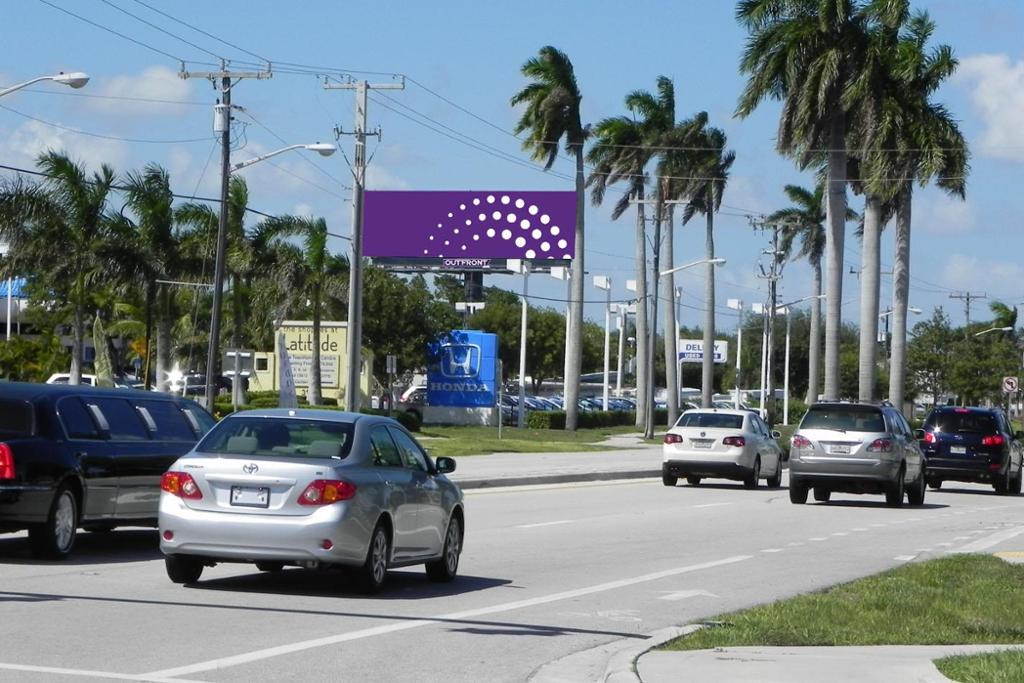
972,444
75,456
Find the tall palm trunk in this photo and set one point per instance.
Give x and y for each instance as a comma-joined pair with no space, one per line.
901,295
869,276
835,236
574,345
314,395
150,304
814,353
707,377
640,254
668,286
78,336
163,337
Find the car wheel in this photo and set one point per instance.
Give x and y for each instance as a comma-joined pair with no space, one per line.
270,566
1016,482
1002,485
894,490
445,568
822,495
54,538
915,494
775,481
755,474
667,479
797,492
935,484
693,481
374,570
183,568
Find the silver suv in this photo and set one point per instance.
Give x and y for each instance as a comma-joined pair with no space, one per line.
855,448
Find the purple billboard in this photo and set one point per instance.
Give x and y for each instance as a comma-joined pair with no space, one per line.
469,225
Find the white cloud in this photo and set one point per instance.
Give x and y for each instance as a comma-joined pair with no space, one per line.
302,209
379,178
154,83
28,141
941,214
976,274
997,93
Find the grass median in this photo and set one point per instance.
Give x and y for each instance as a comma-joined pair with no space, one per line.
961,599
462,441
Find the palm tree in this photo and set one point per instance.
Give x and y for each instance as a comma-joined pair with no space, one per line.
552,112
711,173
620,155
807,53
59,229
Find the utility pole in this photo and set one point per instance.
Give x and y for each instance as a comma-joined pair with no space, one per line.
772,275
353,398
967,297
222,125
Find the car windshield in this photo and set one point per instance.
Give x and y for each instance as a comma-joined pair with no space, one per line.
279,437
955,421
844,418
712,420
15,418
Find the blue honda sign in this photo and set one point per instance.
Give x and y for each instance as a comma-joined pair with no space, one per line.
462,369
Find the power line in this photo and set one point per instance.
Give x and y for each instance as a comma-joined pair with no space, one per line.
162,30
123,98
100,135
199,30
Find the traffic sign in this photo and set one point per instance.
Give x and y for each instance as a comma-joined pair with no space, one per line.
1010,385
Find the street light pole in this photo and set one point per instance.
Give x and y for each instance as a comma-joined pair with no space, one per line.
737,305
522,346
605,283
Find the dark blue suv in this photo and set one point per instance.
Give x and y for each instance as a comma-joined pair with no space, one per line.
972,444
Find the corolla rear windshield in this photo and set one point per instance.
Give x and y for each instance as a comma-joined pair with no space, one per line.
282,437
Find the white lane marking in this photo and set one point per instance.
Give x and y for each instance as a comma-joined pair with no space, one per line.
989,541
914,519
772,550
861,528
540,524
267,653
960,538
684,595
841,533
710,505
903,558
796,543
510,490
817,539
878,526
84,673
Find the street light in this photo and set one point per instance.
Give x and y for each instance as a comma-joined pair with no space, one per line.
220,125
75,79
604,282
623,311
1008,328
649,427
737,305
785,378
517,266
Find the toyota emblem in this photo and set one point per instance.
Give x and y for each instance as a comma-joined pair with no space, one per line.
703,433
250,468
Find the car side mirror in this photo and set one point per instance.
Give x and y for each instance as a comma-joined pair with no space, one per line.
776,434
444,465
919,434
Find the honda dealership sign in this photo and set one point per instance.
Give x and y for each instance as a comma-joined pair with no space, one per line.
468,228
462,370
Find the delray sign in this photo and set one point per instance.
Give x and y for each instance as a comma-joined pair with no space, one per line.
462,370
692,351
472,227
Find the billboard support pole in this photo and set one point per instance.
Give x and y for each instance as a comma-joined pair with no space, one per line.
522,348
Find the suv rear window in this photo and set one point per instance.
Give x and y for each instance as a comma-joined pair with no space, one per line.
712,420
968,421
15,418
852,418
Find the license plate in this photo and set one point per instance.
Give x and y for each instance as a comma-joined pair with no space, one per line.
702,444
839,450
250,496
958,450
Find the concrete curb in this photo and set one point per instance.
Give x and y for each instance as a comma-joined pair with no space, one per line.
557,478
621,667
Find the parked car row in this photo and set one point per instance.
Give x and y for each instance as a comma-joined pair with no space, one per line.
860,448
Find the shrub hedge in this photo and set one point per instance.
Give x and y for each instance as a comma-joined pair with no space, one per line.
265,399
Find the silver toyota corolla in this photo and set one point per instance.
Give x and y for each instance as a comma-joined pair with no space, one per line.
311,488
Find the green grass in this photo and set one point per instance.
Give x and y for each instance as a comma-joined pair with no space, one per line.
991,667
461,441
953,600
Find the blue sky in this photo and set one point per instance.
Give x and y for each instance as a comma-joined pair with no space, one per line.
462,60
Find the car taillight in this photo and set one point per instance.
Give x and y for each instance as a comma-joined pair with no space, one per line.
800,442
180,484
6,462
996,440
673,438
734,441
929,437
880,446
327,491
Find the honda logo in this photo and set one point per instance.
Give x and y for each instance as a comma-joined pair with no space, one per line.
250,468
460,360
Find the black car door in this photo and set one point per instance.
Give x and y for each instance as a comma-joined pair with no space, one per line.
90,449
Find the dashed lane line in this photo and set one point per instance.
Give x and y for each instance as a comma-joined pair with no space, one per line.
540,524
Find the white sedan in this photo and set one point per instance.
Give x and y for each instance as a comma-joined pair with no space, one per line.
727,444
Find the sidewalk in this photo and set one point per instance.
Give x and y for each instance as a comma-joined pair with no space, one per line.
635,460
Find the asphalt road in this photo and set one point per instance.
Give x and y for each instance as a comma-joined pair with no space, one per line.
547,571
